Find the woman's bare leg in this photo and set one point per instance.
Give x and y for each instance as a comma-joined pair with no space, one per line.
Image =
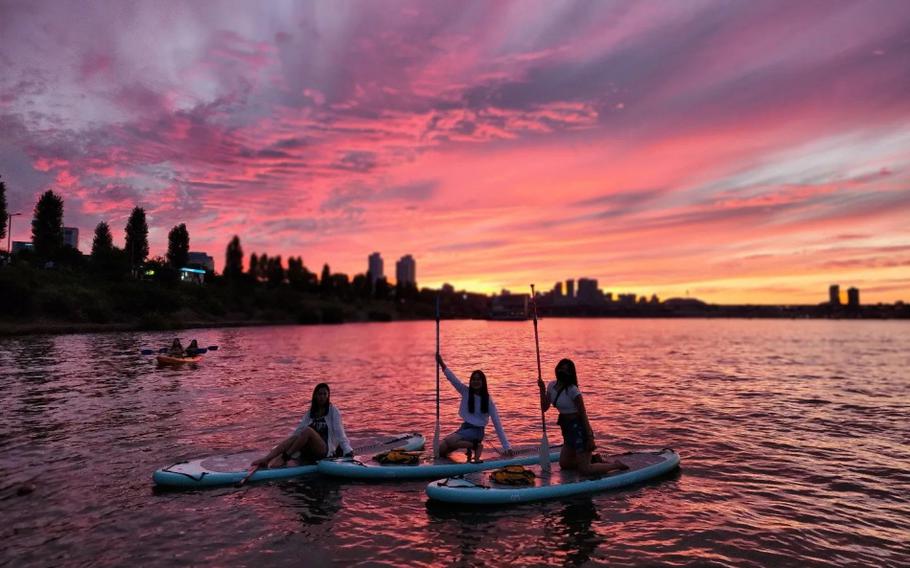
585,467
310,445
567,458
451,443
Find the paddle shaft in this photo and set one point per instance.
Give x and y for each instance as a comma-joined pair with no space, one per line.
436,433
544,442
243,481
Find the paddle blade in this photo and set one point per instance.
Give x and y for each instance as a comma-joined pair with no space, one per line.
212,348
545,454
147,352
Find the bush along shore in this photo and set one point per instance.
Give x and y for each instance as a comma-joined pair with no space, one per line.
67,300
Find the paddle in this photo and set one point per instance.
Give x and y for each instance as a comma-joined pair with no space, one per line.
198,351
246,478
436,433
544,442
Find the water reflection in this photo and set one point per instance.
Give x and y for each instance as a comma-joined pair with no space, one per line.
768,416
315,500
580,540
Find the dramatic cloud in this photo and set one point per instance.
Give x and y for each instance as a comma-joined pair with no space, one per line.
740,151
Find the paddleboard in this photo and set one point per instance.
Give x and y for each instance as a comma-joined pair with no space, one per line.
480,489
427,467
231,468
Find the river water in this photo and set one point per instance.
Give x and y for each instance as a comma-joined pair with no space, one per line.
794,437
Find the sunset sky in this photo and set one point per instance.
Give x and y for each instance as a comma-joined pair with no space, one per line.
741,151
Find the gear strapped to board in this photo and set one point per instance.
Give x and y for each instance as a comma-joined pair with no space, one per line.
513,475
397,457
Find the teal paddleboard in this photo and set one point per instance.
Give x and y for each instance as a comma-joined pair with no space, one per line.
427,467
231,468
481,489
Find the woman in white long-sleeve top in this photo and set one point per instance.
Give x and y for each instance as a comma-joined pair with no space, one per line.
476,409
320,434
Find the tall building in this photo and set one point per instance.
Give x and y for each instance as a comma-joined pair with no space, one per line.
202,259
570,288
834,295
71,237
587,290
853,297
375,267
406,270
557,290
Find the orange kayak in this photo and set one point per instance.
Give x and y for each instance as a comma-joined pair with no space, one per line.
168,360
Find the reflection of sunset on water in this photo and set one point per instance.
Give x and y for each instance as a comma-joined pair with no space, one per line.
790,433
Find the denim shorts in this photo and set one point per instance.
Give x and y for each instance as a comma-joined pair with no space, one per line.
470,432
574,433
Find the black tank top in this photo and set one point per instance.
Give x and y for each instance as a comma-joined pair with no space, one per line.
321,428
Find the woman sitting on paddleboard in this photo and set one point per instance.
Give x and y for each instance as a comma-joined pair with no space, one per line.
577,436
476,409
320,434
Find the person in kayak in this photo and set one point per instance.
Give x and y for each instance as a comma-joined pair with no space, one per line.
193,348
578,438
176,349
476,409
320,434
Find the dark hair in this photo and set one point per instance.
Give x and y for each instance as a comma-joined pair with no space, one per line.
313,401
568,376
565,377
484,393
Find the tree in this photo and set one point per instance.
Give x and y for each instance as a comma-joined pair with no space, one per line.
137,237
103,243
254,266
178,246
262,269
233,259
382,289
47,226
3,211
325,281
361,286
275,271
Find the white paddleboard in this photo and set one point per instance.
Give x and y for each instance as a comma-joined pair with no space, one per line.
232,468
481,489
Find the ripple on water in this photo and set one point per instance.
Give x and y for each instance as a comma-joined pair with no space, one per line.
793,442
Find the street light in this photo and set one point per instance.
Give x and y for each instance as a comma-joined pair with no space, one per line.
9,235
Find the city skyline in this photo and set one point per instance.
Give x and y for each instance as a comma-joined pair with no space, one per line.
744,152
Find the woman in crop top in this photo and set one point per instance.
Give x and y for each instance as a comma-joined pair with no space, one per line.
578,438
476,409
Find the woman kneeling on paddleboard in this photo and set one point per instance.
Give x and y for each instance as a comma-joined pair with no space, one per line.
476,409
578,438
320,434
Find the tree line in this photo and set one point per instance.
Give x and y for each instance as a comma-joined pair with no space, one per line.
106,258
